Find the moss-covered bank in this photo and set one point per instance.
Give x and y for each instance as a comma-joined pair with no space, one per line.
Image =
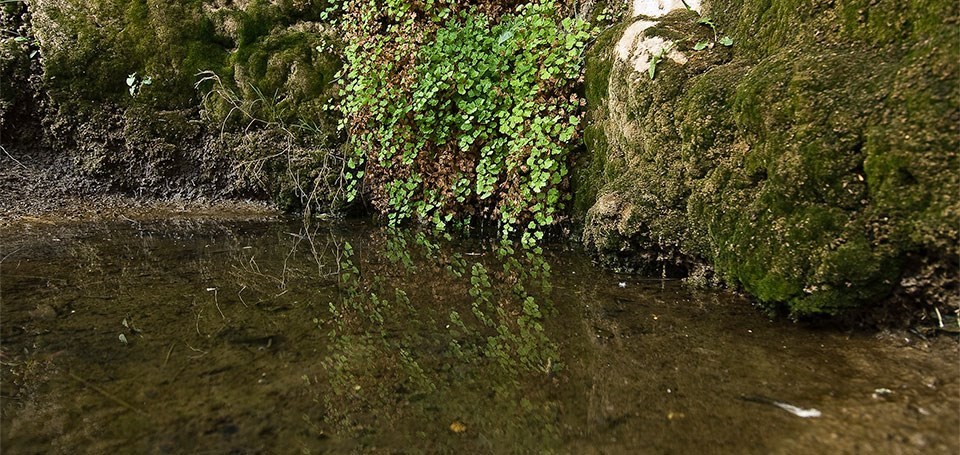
814,162
122,104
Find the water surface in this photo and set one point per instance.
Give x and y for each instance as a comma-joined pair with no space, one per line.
196,336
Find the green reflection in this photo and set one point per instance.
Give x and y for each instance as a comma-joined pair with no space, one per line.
423,336
251,337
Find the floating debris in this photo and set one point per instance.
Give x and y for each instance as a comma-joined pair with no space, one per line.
881,392
457,427
795,410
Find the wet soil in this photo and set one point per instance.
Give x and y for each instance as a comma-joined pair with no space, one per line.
246,336
39,192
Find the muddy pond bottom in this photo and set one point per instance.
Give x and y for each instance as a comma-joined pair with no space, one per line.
197,336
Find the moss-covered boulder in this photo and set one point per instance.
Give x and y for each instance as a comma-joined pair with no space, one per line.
152,96
812,162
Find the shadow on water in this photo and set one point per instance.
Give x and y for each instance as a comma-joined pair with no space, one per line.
253,337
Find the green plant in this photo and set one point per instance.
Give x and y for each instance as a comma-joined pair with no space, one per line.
291,159
706,20
724,41
455,112
135,84
655,59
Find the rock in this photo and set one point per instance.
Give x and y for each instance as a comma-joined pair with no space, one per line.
811,163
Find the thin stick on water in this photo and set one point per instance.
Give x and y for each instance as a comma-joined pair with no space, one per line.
198,321
201,351
217,304
239,294
106,394
169,351
10,254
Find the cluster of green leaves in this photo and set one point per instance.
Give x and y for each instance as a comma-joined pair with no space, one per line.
135,83
724,41
453,113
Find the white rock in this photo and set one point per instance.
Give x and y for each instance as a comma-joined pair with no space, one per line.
637,50
627,42
657,8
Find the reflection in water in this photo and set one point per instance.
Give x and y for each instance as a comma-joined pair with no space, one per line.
421,339
275,337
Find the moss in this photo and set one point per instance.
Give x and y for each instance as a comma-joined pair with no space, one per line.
18,82
262,17
803,178
804,170
599,62
588,171
638,161
680,26
589,164
895,22
91,46
911,166
286,65
155,142
14,71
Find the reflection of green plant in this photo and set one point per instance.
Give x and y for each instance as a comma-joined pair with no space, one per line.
515,314
453,112
400,347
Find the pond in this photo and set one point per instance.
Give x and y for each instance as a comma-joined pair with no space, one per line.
206,336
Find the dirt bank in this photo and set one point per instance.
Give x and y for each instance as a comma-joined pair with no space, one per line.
34,193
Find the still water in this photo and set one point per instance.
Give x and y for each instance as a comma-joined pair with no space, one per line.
193,336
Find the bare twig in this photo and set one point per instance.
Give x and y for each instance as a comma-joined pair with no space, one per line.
169,351
5,152
216,303
198,321
106,394
241,296
266,114
10,254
